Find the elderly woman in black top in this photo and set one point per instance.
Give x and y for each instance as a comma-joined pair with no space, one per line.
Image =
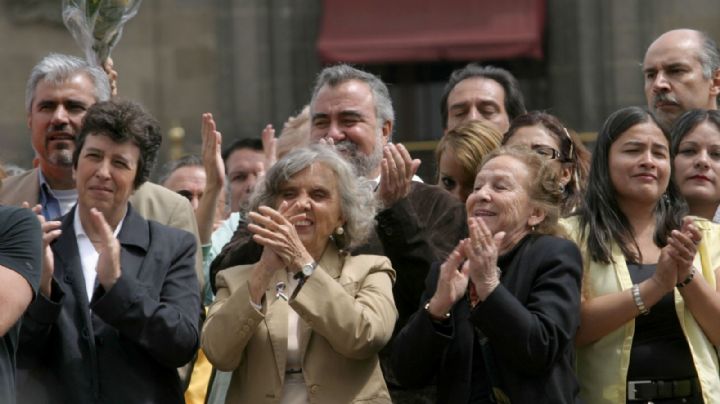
499,315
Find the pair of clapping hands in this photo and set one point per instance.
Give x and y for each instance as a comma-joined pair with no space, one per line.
676,258
474,258
100,234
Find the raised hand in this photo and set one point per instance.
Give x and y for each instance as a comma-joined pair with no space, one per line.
269,143
482,252
112,74
212,151
215,177
108,248
51,231
274,229
397,171
682,247
452,282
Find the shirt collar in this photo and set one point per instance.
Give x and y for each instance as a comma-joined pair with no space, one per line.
80,231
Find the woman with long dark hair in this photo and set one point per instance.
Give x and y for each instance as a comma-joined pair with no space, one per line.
650,307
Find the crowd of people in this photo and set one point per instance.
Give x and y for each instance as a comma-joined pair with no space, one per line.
317,267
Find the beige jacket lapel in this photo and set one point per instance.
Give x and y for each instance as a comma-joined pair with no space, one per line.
276,320
331,262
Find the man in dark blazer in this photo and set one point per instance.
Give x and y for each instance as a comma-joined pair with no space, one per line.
119,306
417,223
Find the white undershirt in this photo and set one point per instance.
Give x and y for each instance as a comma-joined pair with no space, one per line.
376,181
66,198
88,255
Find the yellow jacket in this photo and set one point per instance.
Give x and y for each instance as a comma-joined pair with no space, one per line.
347,312
603,365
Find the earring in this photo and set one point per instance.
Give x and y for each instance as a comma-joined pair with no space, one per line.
340,231
532,228
562,188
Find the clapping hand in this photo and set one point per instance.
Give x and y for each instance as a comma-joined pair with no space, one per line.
397,171
274,229
452,282
281,246
212,152
108,248
482,252
682,247
51,231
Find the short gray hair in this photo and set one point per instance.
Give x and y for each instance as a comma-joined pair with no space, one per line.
57,68
190,160
357,202
708,55
338,74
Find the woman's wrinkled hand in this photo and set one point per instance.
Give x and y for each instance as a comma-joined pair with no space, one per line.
452,283
50,232
274,229
482,253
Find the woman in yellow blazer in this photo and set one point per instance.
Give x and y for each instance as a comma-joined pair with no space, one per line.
305,323
650,303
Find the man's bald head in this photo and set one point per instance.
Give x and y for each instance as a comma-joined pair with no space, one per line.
681,70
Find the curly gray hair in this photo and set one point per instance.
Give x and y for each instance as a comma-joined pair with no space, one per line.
357,202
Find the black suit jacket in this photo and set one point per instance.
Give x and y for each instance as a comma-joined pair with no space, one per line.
529,320
125,344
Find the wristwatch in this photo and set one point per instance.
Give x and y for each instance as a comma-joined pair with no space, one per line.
306,270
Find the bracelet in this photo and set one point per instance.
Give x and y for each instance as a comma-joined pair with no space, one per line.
638,300
687,280
427,309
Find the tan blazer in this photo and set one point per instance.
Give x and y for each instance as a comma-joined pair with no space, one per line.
347,315
152,201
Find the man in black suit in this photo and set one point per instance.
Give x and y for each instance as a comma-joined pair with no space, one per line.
119,306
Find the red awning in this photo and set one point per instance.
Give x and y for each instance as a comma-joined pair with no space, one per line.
380,31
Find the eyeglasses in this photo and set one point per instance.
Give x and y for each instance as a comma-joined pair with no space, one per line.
552,154
547,152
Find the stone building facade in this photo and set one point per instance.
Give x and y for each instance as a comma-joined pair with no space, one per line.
253,62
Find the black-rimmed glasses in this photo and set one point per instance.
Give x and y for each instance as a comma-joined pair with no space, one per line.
547,152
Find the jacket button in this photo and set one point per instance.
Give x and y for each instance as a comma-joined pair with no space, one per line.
314,389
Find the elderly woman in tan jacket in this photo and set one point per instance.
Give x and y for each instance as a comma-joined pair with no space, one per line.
306,322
